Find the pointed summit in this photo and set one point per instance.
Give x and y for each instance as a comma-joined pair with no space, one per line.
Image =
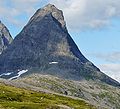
50,10
5,37
45,46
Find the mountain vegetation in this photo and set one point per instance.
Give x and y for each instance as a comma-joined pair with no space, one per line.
17,98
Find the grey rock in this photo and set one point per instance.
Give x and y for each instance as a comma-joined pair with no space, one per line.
5,37
45,46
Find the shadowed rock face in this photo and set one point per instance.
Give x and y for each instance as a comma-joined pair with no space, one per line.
45,46
5,37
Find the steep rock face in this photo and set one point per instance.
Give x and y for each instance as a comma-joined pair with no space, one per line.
45,46
5,37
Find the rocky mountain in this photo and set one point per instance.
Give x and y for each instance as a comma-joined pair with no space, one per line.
44,46
5,37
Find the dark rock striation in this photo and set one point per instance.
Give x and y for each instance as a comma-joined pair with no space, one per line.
45,46
5,37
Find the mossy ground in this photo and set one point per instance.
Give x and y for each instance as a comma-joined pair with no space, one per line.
16,98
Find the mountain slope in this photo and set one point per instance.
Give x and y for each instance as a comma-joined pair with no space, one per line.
16,98
45,46
5,37
97,93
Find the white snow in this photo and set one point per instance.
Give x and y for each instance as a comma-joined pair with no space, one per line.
19,74
53,62
6,74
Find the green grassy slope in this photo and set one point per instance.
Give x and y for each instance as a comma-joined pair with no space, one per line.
16,98
97,93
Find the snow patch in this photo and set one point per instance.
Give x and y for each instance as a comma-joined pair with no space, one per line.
19,74
6,74
53,62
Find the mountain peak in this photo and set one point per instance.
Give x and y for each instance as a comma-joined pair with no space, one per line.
44,46
1,25
5,37
52,10
50,6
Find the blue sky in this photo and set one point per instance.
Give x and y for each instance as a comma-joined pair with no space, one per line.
94,26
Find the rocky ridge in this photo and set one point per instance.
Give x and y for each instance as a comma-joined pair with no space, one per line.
5,37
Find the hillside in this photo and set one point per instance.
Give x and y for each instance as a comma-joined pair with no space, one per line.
17,98
96,93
